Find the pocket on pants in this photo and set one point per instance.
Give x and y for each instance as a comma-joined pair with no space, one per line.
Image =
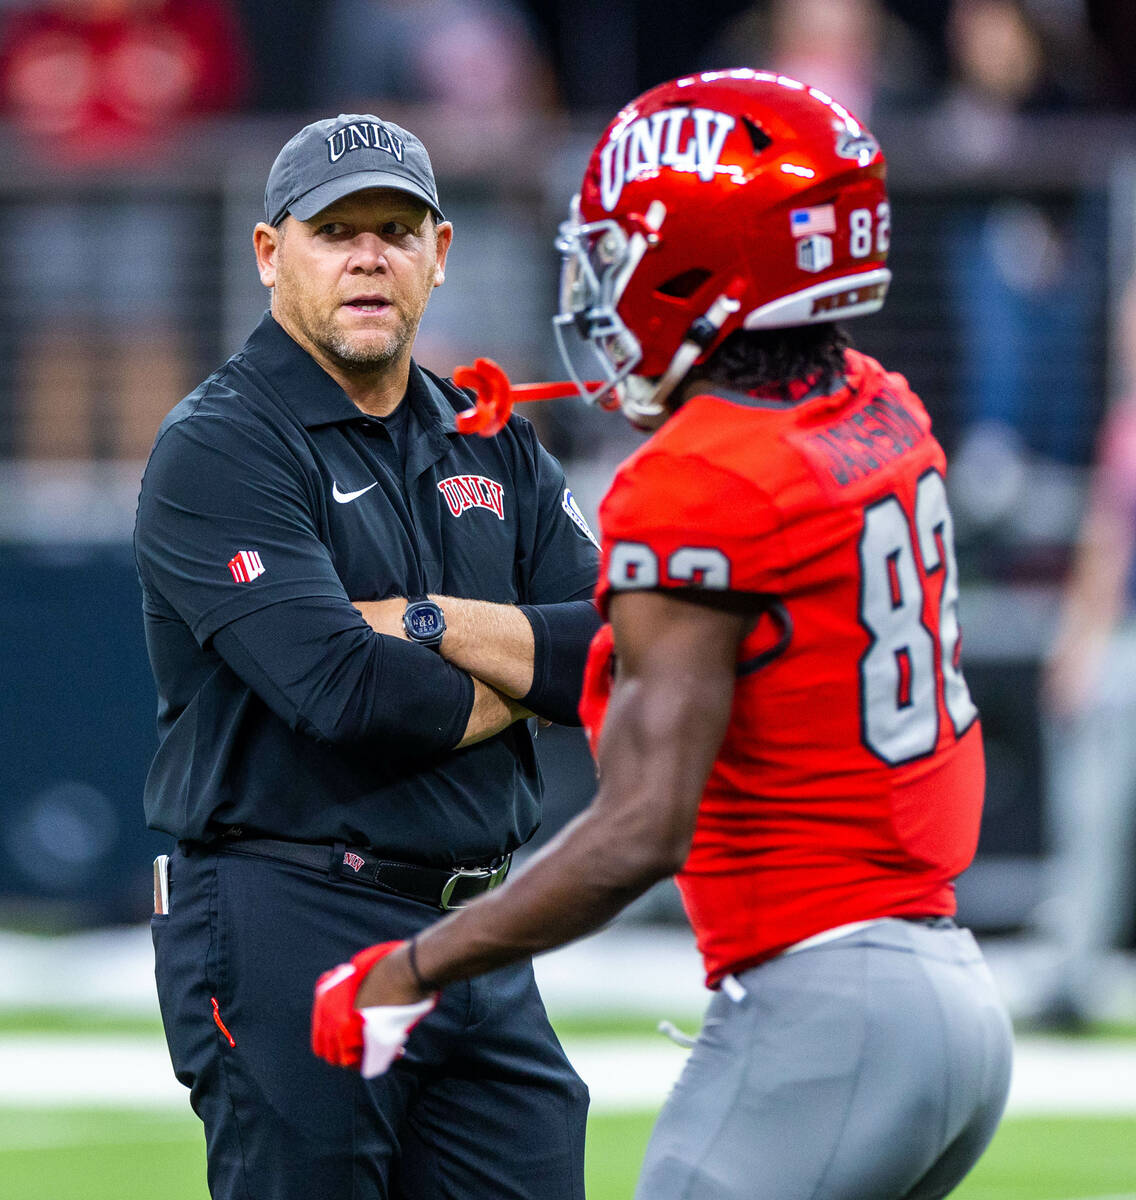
182,947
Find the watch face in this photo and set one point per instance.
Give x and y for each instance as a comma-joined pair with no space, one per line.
424,622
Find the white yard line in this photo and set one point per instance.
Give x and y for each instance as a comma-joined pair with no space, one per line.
628,968
52,1135
54,1070
624,1074
645,971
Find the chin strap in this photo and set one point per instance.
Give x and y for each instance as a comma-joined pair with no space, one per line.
496,396
642,398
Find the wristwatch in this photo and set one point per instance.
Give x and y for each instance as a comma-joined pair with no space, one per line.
424,622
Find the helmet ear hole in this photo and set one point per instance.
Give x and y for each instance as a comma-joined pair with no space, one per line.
685,284
760,139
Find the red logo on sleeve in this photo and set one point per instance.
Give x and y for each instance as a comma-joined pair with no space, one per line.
245,566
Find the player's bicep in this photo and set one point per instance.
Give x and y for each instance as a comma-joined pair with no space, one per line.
669,710
679,642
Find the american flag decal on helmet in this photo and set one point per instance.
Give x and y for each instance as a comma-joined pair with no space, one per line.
821,218
245,566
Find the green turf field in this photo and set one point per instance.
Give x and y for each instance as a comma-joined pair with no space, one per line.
123,1154
110,1154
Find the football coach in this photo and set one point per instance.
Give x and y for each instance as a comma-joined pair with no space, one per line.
351,613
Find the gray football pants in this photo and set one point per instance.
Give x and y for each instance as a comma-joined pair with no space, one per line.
872,1067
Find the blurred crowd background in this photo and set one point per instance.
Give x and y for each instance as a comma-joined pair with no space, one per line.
135,137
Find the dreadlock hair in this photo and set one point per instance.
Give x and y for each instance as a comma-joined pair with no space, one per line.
762,358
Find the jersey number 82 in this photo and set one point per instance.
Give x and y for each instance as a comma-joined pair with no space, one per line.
899,685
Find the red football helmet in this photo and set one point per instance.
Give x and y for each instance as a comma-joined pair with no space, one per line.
721,201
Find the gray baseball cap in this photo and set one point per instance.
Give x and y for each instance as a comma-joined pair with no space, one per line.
330,159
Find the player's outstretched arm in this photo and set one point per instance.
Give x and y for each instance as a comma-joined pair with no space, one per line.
669,710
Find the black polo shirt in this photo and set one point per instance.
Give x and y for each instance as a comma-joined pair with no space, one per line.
269,503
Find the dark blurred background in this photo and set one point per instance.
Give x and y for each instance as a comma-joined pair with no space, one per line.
136,136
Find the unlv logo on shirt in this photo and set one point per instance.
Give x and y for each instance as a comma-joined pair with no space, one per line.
245,566
463,492
684,139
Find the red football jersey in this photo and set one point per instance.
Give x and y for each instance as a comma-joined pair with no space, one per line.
850,781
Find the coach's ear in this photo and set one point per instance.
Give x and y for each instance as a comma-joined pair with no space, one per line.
443,238
266,241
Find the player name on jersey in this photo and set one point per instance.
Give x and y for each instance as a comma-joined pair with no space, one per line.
864,441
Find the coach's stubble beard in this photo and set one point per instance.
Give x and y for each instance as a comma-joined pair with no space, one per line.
362,360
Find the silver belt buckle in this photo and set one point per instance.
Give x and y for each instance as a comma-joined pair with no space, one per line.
495,876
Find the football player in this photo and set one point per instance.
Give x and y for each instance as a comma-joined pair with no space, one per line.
777,704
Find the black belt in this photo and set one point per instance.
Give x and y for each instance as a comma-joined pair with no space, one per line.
442,887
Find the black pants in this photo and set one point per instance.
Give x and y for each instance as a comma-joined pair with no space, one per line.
483,1104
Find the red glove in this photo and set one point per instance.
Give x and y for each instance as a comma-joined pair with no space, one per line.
342,1036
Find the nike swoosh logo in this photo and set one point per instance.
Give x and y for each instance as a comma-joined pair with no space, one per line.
347,497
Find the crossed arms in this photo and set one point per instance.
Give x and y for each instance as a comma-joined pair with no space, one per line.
493,643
